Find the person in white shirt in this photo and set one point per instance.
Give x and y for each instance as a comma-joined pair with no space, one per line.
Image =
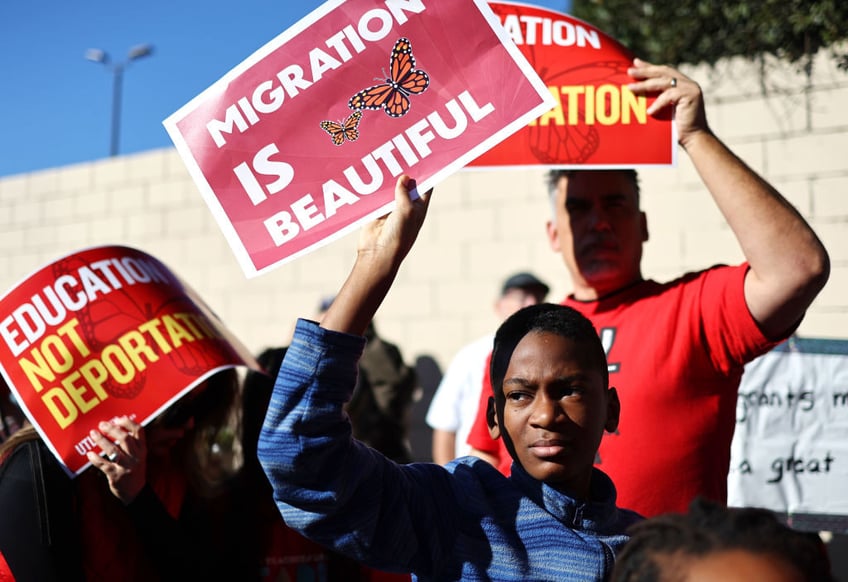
455,401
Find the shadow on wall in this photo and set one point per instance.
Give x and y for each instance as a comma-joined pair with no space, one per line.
421,435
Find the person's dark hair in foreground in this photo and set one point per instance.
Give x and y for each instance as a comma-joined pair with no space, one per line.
721,544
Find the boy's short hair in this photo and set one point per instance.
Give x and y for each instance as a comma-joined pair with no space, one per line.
542,317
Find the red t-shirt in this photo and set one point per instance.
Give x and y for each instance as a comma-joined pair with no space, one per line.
5,571
676,354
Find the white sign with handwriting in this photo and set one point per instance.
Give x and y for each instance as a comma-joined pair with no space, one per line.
790,449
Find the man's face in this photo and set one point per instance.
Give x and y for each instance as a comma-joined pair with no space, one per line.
556,410
599,230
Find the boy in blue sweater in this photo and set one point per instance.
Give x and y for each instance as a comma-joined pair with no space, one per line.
555,518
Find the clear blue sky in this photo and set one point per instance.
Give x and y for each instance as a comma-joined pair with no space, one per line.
56,106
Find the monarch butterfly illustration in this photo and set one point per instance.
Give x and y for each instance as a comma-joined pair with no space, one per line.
404,80
345,130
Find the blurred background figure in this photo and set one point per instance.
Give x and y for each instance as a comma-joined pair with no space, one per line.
712,543
280,553
157,504
11,416
454,405
385,392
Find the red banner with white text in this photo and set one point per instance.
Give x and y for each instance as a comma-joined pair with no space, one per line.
597,121
106,332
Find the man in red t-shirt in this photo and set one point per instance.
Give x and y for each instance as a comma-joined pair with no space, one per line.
676,351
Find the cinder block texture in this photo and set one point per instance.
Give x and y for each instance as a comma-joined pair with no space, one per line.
483,226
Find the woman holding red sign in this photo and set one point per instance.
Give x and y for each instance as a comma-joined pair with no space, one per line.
162,512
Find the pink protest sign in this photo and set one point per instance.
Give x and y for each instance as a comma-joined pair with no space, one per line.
304,140
105,332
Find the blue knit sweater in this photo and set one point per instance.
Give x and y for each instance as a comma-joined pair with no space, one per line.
465,521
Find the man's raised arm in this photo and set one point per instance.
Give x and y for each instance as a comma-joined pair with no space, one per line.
788,263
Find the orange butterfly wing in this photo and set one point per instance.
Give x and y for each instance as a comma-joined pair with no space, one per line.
408,79
372,97
348,129
397,104
335,131
351,126
415,82
405,80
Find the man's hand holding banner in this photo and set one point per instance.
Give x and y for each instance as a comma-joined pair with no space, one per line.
597,121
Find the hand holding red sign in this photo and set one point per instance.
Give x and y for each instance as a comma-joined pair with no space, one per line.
672,89
101,334
124,457
599,121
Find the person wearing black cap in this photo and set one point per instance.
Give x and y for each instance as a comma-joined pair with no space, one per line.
454,403
526,284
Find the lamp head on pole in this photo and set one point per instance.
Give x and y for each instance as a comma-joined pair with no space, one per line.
97,56
139,51
100,56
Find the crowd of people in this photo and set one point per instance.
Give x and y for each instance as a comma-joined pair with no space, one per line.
598,428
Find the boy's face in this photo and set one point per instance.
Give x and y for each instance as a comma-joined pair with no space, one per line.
556,410
736,565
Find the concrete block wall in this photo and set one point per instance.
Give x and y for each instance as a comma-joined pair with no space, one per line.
483,226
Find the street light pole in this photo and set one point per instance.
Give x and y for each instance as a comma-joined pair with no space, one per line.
102,57
117,83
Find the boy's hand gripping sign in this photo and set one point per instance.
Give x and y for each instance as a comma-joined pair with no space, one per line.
102,333
304,140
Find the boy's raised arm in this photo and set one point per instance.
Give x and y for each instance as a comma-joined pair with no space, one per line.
326,484
383,244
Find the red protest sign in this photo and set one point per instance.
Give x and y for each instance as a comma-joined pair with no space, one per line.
105,332
597,121
304,140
